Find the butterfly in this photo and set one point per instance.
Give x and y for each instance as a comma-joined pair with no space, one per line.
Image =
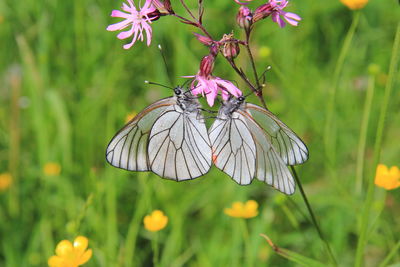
169,138
249,141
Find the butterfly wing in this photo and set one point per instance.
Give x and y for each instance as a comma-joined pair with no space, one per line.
128,148
270,167
179,146
234,150
288,145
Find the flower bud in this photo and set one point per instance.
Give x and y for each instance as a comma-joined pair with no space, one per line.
230,48
207,65
244,17
203,39
164,8
262,12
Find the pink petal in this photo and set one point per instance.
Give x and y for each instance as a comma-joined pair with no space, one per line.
292,16
119,14
118,26
230,87
126,34
276,18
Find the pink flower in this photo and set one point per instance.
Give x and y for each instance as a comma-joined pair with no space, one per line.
210,86
275,9
139,21
206,84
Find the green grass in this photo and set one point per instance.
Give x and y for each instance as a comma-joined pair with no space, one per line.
67,86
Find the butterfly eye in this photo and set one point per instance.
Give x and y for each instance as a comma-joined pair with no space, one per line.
241,98
177,91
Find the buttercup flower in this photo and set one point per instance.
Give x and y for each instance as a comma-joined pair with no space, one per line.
206,84
156,221
243,210
139,21
354,4
275,9
5,181
71,255
387,178
52,169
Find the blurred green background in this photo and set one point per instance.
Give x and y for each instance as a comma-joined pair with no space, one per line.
67,86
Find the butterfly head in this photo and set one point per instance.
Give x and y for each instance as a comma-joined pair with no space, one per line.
178,90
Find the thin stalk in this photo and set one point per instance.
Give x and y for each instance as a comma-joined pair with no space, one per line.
313,218
330,131
154,243
246,239
392,253
363,134
363,235
253,64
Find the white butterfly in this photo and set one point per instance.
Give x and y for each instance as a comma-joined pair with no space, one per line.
249,141
169,138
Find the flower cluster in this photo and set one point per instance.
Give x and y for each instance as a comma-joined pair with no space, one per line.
243,210
71,255
138,21
387,178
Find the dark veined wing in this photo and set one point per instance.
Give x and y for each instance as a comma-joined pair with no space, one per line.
270,167
179,146
287,144
128,148
233,147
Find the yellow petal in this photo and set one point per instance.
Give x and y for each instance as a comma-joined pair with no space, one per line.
64,248
55,261
81,243
85,257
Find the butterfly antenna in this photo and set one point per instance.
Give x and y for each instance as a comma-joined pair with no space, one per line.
167,69
264,73
159,84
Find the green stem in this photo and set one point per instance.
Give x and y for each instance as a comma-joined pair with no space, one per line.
246,239
154,244
392,253
363,134
313,219
363,235
330,131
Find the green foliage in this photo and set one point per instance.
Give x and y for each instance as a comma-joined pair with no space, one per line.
67,86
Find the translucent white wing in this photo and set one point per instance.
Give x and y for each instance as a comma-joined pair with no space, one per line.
288,145
179,146
128,148
234,150
270,168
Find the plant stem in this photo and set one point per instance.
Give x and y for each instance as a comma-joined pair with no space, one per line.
154,243
330,130
390,255
363,134
313,219
363,235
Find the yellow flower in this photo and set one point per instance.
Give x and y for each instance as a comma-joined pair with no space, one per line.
243,210
71,255
264,51
5,181
354,4
52,169
130,116
387,178
155,221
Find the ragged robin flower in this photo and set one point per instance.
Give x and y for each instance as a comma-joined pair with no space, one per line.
243,210
208,85
71,255
156,221
137,19
354,4
52,169
274,8
5,181
387,178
